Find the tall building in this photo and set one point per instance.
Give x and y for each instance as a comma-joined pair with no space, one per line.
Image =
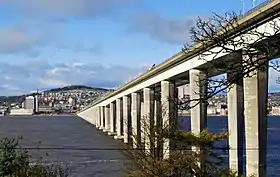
36,104
31,102
183,91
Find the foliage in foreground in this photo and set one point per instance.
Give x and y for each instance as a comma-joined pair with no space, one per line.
16,162
183,161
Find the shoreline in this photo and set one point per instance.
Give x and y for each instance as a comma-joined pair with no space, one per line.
52,115
40,115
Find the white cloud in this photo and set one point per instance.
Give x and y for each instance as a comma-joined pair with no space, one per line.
19,79
80,47
21,40
9,87
66,8
7,78
173,31
40,22
41,75
49,83
15,40
78,64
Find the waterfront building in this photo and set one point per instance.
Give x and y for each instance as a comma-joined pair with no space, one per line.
31,103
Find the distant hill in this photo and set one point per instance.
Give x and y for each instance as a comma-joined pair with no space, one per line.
76,87
20,98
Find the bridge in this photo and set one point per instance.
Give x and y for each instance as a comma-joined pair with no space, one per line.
121,111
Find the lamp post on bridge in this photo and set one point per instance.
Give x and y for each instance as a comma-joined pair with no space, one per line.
243,7
254,3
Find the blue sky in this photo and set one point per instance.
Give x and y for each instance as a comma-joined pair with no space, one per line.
102,43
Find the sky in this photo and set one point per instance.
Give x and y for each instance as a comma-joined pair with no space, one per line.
100,43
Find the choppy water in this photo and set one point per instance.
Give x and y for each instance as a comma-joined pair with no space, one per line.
83,147
78,143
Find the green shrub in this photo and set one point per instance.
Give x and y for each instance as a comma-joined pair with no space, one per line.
15,161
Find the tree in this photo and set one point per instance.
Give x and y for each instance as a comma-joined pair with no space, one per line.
15,161
223,35
179,160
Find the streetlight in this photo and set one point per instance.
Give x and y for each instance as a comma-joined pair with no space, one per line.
254,3
243,7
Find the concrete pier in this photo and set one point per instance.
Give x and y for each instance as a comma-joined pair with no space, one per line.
107,119
119,119
143,136
102,117
95,117
136,119
167,97
198,89
98,117
149,107
158,124
255,105
112,118
157,110
235,104
198,94
127,119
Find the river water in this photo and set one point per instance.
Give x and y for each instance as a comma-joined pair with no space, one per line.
90,152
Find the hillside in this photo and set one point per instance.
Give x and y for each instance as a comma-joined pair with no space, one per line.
76,87
20,98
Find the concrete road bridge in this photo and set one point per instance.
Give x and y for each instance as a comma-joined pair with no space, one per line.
121,111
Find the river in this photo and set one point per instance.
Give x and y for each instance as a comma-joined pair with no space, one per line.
75,141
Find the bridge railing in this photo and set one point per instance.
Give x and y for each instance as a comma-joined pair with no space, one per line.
254,9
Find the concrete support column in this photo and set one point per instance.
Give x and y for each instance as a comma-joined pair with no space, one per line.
136,119
95,116
157,111
127,119
98,117
102,111
158,125
107,119
142,127
168,113
198,89
90,115
149,106
235,102
255,115
119,119
112,119
198,93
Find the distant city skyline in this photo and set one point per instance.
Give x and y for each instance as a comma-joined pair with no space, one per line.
49,44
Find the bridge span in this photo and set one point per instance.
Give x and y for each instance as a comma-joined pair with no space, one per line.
121,111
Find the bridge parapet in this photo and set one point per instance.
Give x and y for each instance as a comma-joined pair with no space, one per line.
255,9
